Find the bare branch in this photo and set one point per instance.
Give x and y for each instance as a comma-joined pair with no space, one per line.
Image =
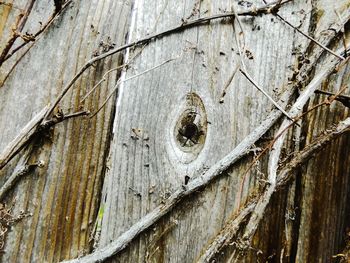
109,71
19,172
266,9
228,83
130,78
15,64
100,81
22,138
236,17
265,93
21,21
310,38
277,148
34,37
229,232
34,126
344,99
196,184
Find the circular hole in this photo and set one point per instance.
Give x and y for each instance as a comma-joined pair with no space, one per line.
188,135
191,126
190,130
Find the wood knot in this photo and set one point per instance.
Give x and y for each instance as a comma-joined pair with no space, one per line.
189,134
189,131
191,127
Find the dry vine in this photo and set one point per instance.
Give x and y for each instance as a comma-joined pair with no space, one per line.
16,32
8,219
277,148
216,170
267,9
42,121
229,232
220,168
33,39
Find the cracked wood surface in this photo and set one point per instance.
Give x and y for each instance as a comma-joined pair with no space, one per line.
62,196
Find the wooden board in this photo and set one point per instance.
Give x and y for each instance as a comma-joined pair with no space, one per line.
62,196
143,171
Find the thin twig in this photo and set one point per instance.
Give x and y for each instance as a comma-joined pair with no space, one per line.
344,99
229,232
22,138
125,80
266,9
251,80
21,21
15,64
310,38
228,83
33,127
342,30
11,181
125,65
236,18
100,82
195,185
42,29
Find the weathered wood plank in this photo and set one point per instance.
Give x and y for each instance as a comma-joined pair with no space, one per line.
308,221
142,171
169,127
63,196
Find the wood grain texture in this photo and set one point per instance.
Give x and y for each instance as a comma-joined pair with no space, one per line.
324,186
324,193
308,221
63,196
143,172
149,156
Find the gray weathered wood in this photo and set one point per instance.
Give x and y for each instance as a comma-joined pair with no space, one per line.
142,171
62,196
161,102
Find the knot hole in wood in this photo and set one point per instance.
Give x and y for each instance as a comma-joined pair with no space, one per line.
191,127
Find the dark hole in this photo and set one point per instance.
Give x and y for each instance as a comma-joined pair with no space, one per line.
187,178
189,130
